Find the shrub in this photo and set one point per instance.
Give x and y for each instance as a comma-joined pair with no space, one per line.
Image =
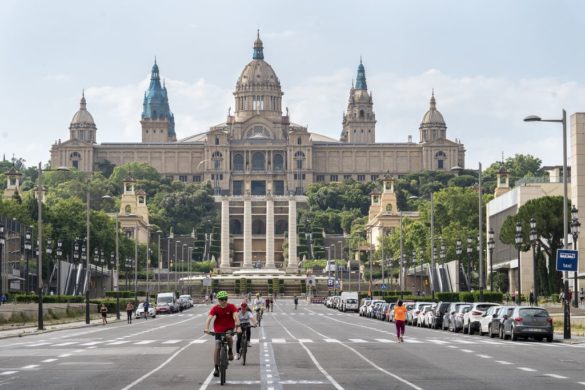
448,296
467,296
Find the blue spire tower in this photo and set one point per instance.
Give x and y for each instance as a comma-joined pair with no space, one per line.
158,122
359,119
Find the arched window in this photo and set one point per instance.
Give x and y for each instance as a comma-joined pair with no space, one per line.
235,226
278,163
258,227
128,209
362,114
281,226
216,157
440,156
389,208
299,141
258,162
217,140
238,162
299,158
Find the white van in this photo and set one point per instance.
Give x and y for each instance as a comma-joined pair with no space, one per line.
165,303
349,301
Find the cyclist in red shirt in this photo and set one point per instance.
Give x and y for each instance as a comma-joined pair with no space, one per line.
226,318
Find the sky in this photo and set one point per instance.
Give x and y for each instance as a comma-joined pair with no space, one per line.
490,63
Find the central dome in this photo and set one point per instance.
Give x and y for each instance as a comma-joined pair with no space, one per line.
258,75
82,118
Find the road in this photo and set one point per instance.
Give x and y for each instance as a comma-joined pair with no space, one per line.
311,348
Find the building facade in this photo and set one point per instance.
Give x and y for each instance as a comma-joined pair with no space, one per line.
258,149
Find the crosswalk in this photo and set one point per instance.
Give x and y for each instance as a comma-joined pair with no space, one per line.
178,342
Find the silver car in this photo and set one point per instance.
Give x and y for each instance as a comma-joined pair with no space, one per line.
456,320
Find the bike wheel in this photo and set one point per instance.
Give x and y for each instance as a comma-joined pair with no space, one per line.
223,363
244,350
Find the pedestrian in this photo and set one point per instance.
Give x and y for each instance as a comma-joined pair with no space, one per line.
272,299
211,297
146,307
513,297
129,311
581,295
104,311
267,304
399,318
562,297
296,301
3,298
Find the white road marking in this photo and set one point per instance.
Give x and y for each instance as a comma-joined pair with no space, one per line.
503,362
119,342
358,341
412,341
171,341
467,350
278,341
143,342
91,343
385,341
452,346
305,341
440,342
464,341
331,341
302,382
207,381
65,355
8,372
484,356
49,360
29,367
490,342
64,344
556,376
37,344
526,369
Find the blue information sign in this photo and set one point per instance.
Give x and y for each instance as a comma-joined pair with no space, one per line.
567,260
383,287
330,282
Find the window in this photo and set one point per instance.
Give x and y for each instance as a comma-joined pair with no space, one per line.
320,178
278,187
374,177
258,227
347,177
281,226
389,208
238,187
333,178
299,141
235,226
218,177
299,157
128,209
361,177
216,157
258,187
297,176
258,163
238,162
183,179
440,156
278,163
362,114
217,140
197,178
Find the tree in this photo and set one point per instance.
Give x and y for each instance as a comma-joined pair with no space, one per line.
548,213
518,167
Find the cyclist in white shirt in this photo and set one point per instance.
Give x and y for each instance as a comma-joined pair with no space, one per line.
259,303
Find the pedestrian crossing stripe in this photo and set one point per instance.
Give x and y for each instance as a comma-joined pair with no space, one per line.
386,341
171,341
143,342
358,341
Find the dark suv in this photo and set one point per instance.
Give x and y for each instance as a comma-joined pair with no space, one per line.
438,313
528,321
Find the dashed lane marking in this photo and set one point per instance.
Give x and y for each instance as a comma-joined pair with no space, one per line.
331,341
484,356
119,342
143,342
171,341
358,341
467,350
503,362
64,344
527,369
8,372
386,341
556,376
305,340
49,360
278,341
30,366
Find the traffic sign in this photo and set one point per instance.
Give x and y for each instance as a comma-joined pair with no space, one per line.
330,282
383,286
567,260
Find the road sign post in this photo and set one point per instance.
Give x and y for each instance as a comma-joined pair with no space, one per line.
567,260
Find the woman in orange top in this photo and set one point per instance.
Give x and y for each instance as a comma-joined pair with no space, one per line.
400,319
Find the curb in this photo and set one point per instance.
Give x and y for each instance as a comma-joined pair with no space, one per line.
31,331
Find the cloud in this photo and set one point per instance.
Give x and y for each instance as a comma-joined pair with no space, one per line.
485,113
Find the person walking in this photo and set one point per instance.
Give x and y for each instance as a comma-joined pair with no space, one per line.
296,301
400,318
129,311
531,298
267,304
104,311
146,307
581,296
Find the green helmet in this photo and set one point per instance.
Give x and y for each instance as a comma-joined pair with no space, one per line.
222,295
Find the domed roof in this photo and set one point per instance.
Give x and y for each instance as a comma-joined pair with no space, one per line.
82,117
433,116
258,74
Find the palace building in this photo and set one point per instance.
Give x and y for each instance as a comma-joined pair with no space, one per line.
259,155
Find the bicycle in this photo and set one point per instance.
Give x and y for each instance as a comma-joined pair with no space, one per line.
244,342
223,354
259,316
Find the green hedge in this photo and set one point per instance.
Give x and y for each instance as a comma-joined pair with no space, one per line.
32,298
123,294
448,296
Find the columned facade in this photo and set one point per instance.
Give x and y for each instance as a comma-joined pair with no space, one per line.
247,232
225,233
293,263
269,232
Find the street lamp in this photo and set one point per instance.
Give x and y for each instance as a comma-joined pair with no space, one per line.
491,247
563,121
442,253
534,241
27,249
458,251
2,243
575,225
519,240
59,257
469,251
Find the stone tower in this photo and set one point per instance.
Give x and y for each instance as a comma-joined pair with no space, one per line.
359,120
12,184
82,126
158,122
433,125
502,182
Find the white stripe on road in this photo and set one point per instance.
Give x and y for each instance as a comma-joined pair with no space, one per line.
556,376
171,341
503,362
305,341
64,344
278,341
91,343
440,342
358,341
484,356
412,341
331,341
143,342
37,344
467,350
8,372
64,355
464,341
49,360
29,367
526,369
384,341
119,342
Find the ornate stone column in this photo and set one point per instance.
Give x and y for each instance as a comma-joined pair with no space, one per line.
225,233
270,231
293,265
247,231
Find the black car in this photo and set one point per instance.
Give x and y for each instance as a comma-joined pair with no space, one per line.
496,326
438,313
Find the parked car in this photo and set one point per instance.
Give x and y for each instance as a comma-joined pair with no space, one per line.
528,321
165,303
371,307
436,316
188,299
472,317
412,315
421,317
390,312
456,320
486,319
497,323
140,311
449,313
349,301
365,302
377,306
381,312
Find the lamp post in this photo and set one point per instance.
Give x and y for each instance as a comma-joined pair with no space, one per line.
49,251
534,241
563,121
491,247
519,242
59,257
160,262
176,262
469,251
2,243
27,249
458,251
414,266
575,225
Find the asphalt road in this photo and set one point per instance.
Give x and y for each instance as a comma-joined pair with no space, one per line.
312,348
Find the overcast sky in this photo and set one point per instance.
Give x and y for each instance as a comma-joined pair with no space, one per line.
491,63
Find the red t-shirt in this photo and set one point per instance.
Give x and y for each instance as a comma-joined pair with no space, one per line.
224,317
